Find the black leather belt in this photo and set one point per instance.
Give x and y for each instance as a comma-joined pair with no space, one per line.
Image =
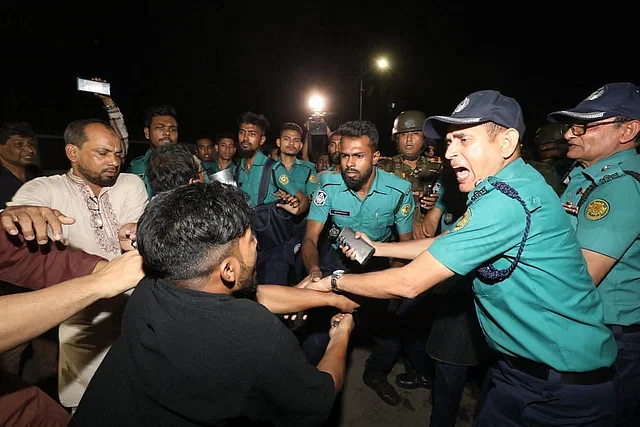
541,371
630,329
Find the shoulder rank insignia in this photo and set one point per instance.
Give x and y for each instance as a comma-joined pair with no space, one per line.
284,179
597,209
462,222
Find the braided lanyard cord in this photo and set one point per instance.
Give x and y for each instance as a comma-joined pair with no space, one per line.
489,272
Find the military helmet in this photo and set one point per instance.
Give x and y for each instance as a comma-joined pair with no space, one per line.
408,121
551,132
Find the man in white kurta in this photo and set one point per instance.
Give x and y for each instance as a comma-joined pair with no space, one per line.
101,200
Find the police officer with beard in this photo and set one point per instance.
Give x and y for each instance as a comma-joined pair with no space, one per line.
361,197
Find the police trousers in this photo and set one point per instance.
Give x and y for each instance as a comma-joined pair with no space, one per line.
628,366
515,398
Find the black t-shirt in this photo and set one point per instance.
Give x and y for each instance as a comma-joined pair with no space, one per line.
10,184
190,358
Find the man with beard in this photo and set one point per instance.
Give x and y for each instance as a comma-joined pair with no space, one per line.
194,349
16,158
160,128
334,150
361,197
410,163
101,200
272,267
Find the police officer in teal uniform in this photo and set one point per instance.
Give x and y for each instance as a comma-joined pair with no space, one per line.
602,201
225,148
273,263
534,297
366,199
301,173
160,128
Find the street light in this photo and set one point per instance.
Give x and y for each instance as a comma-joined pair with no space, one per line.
382,64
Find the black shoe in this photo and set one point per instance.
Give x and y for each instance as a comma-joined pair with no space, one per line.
379,383
411,380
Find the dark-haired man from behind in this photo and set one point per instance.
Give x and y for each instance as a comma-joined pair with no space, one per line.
160,128
170,166
16,158
194,350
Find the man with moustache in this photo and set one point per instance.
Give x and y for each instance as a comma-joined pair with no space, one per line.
534,298
602,202
272,267
300,172
194,349
204,153
101,200
366,199
160,128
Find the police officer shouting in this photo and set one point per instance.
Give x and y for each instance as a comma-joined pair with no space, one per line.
410,163
534,298
372,201
602,201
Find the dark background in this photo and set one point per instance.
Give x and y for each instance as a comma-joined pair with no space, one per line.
213,60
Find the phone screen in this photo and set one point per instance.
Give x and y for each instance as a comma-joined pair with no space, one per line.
93,86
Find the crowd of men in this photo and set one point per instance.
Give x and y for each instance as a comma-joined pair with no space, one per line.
525,263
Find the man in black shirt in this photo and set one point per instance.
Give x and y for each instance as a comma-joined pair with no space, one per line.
16,158
194,350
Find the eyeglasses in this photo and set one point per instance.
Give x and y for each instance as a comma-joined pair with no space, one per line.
579,129
93,204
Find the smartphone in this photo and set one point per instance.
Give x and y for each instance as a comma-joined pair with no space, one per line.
86,85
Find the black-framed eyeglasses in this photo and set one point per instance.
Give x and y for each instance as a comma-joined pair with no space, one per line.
579,129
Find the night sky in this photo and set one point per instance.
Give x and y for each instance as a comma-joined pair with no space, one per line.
213,60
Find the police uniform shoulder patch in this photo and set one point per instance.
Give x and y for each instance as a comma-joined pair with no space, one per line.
284,179
405,209
597,209
463,221
312,179
321,198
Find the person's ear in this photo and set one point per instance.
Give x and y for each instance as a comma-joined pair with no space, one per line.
509,141
630,130
229,270
73,152
376,158
278,142
146,133
263,139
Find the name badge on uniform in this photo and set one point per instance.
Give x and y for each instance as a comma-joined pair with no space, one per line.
339,212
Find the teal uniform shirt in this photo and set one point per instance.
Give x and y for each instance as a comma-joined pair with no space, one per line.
250,182
547,309
303,175
389,203
607,223
138,166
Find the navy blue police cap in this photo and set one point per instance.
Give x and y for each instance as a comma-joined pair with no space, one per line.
477,108
611,100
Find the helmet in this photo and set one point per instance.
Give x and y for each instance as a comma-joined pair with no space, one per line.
407,121
551,132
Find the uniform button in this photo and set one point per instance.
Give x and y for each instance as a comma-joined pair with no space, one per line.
569,194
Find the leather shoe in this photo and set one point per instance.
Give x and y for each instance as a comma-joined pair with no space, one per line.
411,380
379,383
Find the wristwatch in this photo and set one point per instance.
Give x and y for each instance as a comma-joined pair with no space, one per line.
334,279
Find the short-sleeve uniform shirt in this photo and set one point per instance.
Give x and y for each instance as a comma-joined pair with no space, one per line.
547,309
389,203
303,176
607,223
250,182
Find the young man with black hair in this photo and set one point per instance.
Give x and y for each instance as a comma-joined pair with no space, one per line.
272,266
17,152
194,349
160,128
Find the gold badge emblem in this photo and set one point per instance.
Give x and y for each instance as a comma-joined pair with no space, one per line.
405,209
284,179
597,209
462,222
312,179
